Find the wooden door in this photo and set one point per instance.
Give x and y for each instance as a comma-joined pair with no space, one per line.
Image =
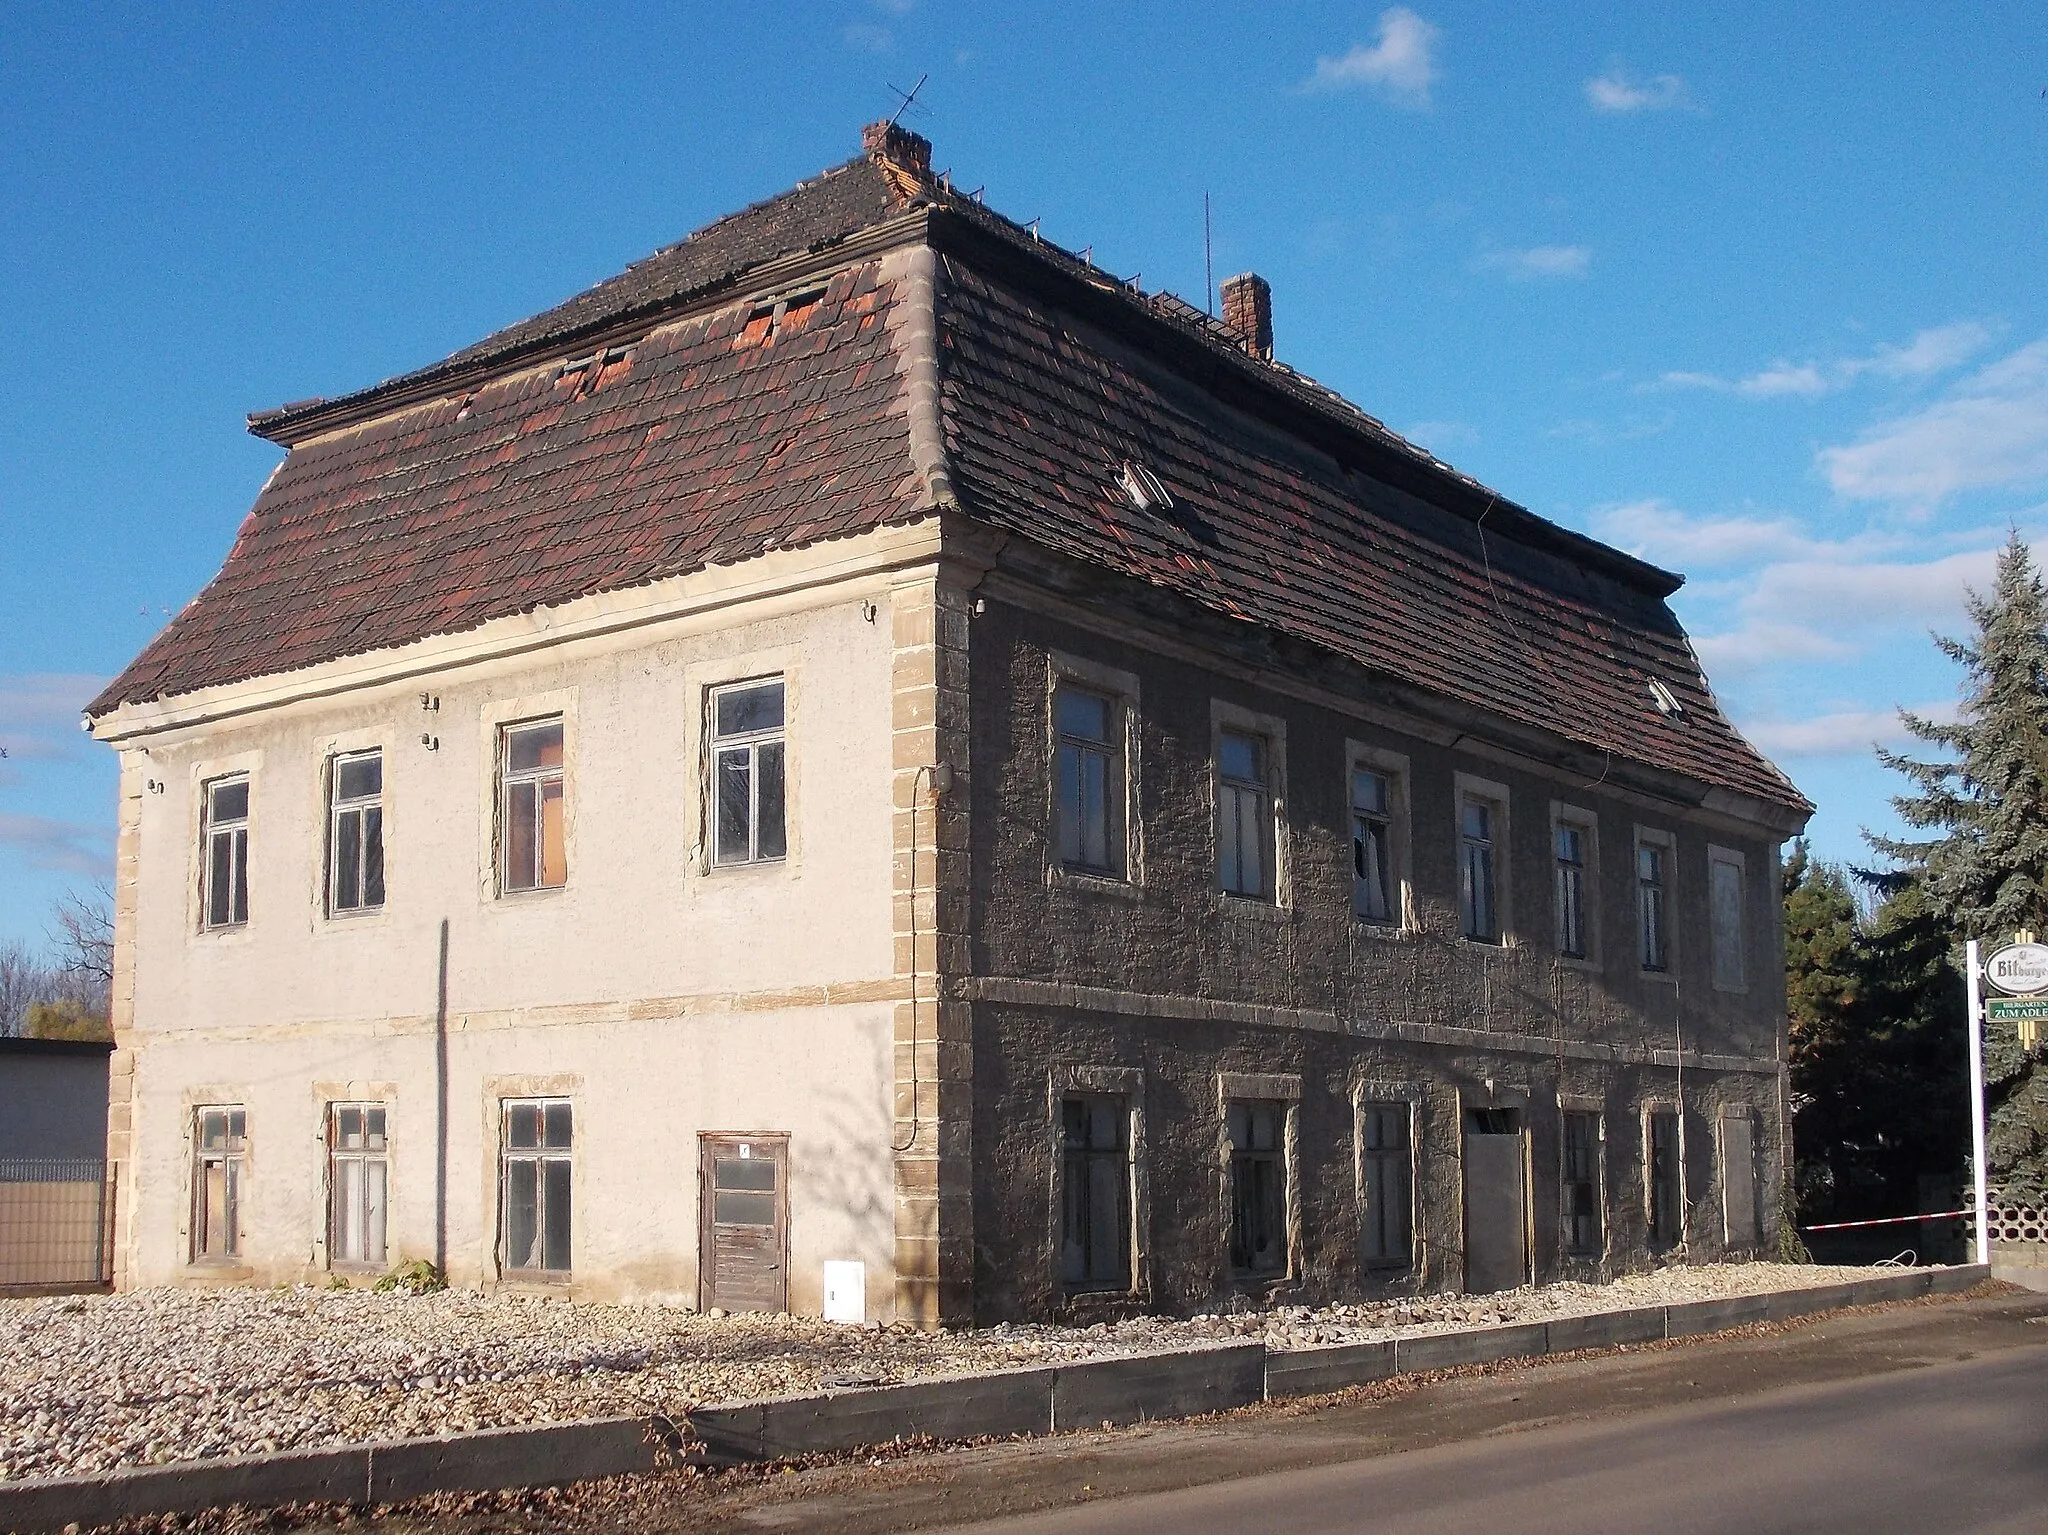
1496,1202
743,1222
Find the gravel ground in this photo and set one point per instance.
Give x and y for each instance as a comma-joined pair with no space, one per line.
91,1383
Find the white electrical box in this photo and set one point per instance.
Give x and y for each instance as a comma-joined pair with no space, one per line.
846,1291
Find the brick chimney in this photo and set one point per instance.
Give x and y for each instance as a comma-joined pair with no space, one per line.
1248,310
898,149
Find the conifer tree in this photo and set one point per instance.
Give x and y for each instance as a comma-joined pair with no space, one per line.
1980,864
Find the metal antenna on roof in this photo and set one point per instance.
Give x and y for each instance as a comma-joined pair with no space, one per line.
908,97
1208,261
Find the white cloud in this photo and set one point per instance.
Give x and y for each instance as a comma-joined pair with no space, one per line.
1439,436
39,713
1537,261
1656,530
1835,602
1991,430
1401,65
63,846
1852,732
1935,350
1615,92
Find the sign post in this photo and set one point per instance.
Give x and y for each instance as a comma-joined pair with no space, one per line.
2020,971
1983,1202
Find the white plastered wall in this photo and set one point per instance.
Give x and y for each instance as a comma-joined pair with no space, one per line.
667,997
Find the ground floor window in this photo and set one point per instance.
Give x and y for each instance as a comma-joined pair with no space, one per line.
1387,1166
357,1184
1258,1188
220,1141
1665,1187
1581,1188
1095,1193
538,1136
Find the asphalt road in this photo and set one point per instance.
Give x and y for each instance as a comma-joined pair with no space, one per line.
1958,1446
1921,1417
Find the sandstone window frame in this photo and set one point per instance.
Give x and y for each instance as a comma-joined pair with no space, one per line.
765,748
224,840
1372,1166
367,1190
1397,820
1728,932
1653,879
1276,1096
365,809
219,1140
1264,797
1127,1084
1125,874
1485,904
1585,825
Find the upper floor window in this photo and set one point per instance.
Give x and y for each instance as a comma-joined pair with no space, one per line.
1653,862
1724,900
1244,816
1478,875
355,833
1372,846
1090,773
1570,872
226,895
747,773
533,852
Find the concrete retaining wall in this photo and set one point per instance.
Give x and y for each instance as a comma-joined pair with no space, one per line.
1211,1378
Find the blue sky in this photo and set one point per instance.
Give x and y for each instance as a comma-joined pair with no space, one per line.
1757,295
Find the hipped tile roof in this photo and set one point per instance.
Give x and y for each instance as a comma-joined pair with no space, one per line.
499,481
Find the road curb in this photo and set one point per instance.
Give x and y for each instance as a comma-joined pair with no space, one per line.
1180,1383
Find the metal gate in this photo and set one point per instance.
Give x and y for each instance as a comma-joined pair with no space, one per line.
56,1224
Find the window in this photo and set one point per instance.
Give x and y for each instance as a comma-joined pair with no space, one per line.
1095,1194
1258,1188
747,773
536,1180
1244,818
1724,901
1652,868
355,833
534,854
1570,867
1478,896
357,1181
1665,1185
1581,1188
1388,1171
1372,847
226,895
221,1139
1090,781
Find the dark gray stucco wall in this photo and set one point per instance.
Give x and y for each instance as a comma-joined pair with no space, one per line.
53,1103
1182,980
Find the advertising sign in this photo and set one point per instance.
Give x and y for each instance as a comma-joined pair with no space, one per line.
2019,969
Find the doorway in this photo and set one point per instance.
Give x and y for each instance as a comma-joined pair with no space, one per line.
1496,1201
743,1222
